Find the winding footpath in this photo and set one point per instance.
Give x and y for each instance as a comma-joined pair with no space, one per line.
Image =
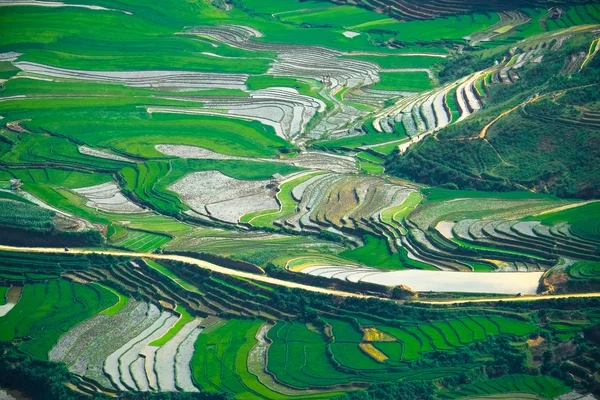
267,279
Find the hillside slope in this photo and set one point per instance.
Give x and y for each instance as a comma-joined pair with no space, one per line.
537,131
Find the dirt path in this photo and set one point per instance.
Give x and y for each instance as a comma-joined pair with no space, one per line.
594,47
523,104
188,260
267,279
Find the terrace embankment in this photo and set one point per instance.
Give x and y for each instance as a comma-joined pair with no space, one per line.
254,277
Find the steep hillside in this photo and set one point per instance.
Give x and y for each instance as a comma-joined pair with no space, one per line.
538,129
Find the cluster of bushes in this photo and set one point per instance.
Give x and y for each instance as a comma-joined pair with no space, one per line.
26,224
54,238
394,391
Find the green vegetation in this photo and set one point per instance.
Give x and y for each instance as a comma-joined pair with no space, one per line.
541,385
120,303
352,143
45,311
184,318
88,92
168,273
532,147
404,81
581,219
286,202
228,344
374,253
142,241
585,270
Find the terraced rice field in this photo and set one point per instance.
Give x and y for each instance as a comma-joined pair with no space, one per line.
262,136
514,385
142,241
63,305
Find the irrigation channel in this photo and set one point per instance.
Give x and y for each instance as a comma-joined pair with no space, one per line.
274,281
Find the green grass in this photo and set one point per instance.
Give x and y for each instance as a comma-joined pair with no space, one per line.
184,318
494,249
411,346
488,326
340,16
583,219
434,195
363,155
478,332
371,168
118,305
349,355
397,61
354,142
59,177
344,331
450,28
220,361
374,253
267,6
452,104
132,130
386,149
404,81
513,326
452,333
437,338
393,350
449,333
293,345
3,291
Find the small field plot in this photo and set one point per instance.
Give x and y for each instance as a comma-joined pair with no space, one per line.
340,16
142,241
369,139
220,360
289,354
132,130
375,253
283,6
449,28
585,270
395,61
404,81
46,311
583,219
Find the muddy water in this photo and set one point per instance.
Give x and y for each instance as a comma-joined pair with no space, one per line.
14,294
12,298
442,281
445,228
